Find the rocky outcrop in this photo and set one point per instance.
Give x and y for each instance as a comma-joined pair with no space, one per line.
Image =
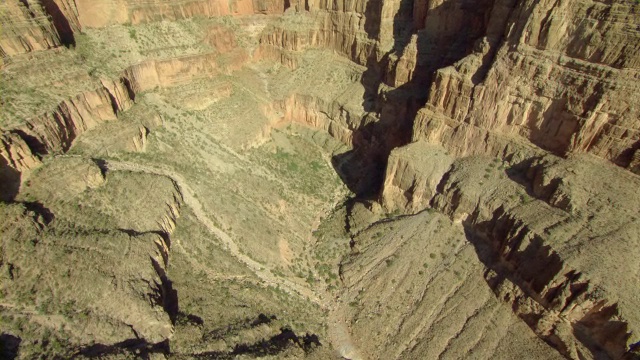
16,160
359,30
140,139
537,242
409,183
558,80
26,27
153,74
562,306
330,117
15,152
33,25
55,131
130,265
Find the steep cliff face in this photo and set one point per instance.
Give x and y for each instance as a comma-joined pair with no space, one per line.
25,27
97,14
16,160
164,73
360,30
503,115
559,80
55,131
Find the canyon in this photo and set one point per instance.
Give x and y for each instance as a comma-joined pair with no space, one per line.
366,179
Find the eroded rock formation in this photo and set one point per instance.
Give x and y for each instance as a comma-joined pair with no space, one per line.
514,119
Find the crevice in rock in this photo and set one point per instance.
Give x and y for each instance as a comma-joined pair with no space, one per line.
35,145
127,85
102,165
60,22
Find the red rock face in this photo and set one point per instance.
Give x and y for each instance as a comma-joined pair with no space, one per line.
25,29
96,14
554,81
523,81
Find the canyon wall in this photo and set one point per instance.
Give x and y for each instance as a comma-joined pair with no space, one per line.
541,78
560,78
25,27
533,83
97,14
55,131
33,25
360,30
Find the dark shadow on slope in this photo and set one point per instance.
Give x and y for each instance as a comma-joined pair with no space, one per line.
136,348
394,104
510,252
373,19
26,5
40,210
188,319
238,326
269,347
60,22
609,332
362,168
626,157
498,244
9,346
165,295
9,181
521,173
634,351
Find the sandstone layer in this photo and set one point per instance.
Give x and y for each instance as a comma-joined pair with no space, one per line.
370,179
